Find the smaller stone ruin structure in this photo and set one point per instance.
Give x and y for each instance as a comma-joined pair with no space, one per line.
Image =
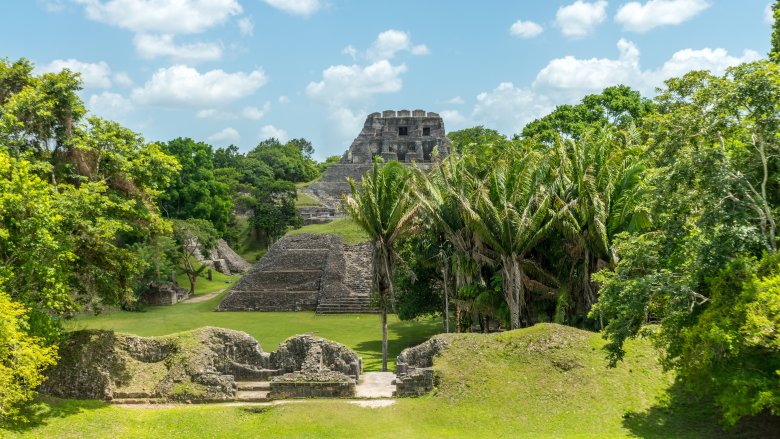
415,375
203,365
221,258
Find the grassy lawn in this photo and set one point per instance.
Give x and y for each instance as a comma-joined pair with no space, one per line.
362,333
304,200
203,286
545,381
347,229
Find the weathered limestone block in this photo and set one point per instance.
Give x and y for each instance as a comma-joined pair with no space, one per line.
193,366
163,294
311,354
326,384
415,374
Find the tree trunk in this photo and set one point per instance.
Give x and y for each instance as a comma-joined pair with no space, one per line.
512,288
384,339
445,276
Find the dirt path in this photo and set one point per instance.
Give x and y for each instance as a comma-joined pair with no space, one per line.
375,385
203,298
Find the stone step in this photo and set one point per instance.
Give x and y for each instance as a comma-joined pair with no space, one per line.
255,376
279,300
253,385
342,310
253,395
124,394
138,401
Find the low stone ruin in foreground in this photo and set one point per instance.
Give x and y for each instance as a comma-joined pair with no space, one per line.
204,365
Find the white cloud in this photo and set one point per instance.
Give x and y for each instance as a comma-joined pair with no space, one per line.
180,85
715,60
457,100
343,84
246,26
580,18
52,5
155,46
283,99
109,105
269,131
525,29
638,17
453,117
567,80
162,16
93,75
392,41
508,108
227,136
122,79
570,73
769,14
254,113
351,51
303,8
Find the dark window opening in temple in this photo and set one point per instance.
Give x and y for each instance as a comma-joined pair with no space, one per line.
403,131
426,131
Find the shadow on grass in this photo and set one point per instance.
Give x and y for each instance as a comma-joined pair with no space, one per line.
45,408
684,415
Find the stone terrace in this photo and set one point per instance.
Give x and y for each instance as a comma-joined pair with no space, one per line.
306,272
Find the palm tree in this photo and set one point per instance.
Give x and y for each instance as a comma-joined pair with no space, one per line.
383,208
598,188
510,213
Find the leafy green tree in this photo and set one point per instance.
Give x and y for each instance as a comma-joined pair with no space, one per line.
192,235
23,359
288,161
618,106
714,197
383,208
274,210
774,52
196,193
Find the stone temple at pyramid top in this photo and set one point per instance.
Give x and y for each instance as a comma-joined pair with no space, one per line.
406,136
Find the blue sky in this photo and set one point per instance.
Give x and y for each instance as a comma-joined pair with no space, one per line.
238,71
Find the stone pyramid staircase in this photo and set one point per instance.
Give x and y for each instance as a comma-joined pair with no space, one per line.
306,272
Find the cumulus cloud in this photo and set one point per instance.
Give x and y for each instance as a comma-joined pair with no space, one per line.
227,136
580,18
162,16
109,105
453,118
269,131
283,99
638,17
351,51
392,41
303,8
93,75
525,29
509,108
122,79
182,86
246,26
769,14
457,100
248,112
568,79
343,84
155,46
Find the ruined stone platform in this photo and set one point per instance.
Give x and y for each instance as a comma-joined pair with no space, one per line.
306,272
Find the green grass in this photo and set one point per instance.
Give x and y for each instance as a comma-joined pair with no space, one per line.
547,381
347,229
304,200
362,333
203,286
